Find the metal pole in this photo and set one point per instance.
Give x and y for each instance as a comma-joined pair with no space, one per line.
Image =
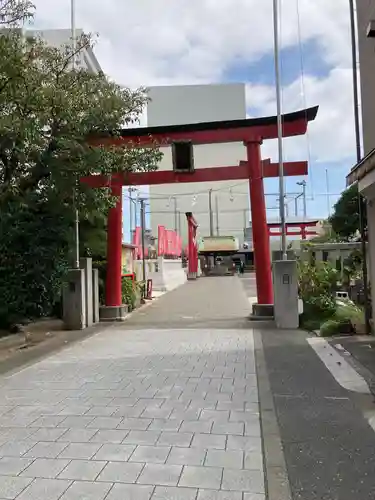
75,189
142,203
328,197
355,81
210,211
361,200
135,213
130,213
175,214
304,200
296,205
279,128
217,216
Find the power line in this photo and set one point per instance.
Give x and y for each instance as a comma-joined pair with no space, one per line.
303,92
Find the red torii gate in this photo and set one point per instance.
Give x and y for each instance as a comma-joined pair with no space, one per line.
302,229
251,132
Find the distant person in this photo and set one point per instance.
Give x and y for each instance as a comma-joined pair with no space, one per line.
242,267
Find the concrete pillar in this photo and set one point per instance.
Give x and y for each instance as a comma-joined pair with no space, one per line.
86,266
95,295
74,300
285,285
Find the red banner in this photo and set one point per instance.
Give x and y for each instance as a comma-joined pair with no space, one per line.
161,240
137,242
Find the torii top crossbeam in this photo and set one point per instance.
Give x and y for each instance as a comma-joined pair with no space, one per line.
215,132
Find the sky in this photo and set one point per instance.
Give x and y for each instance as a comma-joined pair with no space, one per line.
161,42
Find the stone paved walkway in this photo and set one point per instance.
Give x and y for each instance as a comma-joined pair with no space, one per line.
139,414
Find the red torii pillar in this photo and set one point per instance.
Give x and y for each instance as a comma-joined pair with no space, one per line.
113,294
262,252
192,247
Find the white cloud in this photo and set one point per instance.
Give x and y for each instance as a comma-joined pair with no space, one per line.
330,136
149,41
153,42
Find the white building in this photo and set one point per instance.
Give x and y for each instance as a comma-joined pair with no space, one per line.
178,105
61,37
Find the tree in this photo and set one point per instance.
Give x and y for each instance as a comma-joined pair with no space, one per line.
345,219
48,113
12,12
34,246
51,115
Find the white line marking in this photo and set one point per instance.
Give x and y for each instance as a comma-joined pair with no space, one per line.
342,371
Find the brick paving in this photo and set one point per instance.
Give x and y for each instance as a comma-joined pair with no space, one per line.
141,413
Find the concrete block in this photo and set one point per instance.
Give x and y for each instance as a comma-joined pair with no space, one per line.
74,300
113,313
262,312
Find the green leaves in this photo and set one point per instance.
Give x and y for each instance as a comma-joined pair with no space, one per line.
33,258
49,115
49,112
12,12
345,219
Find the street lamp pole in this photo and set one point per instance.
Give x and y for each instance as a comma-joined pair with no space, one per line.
217,216
142,203
175,214
303,194
75,190
130,191
211,214
361,200
279,128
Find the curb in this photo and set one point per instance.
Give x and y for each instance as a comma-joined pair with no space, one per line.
277,485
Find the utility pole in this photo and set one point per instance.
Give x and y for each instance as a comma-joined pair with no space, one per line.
328,196
210,211
75,190
361,200
279,128
135,212
130,190
132,203
303,184
296,205
217,216
175,214
142,203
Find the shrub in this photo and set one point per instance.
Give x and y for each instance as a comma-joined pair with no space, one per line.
330,328
128,293
33,258
316,280
317,284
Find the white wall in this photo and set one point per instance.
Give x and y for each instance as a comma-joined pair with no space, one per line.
178,105
60,37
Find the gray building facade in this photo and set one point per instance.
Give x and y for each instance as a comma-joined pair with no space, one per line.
366,50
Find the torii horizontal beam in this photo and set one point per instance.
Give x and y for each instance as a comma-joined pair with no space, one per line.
210,174
246,130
